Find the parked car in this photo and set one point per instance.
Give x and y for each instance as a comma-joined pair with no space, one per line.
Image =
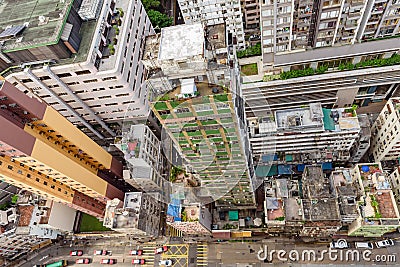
76,253
384,243
82,261
108,261
366,245
166,263
139,261
102,252
136,252
161,249
340,243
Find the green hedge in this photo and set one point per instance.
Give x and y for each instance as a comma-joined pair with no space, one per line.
250,51
381,62
301,73
393,60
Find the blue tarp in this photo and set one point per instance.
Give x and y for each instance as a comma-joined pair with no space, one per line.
268,170
365,168
285,169
301,167
269,157
327,166
174,209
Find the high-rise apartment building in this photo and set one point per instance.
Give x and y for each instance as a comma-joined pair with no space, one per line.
305,134
200,109
327,51
385,143
296,25
378,210
210,12
205,127
137,214
43,152
146,164
85,63
251,16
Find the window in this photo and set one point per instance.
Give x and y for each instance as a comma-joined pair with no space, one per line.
44,78
82,72
63,75
91,81
109,78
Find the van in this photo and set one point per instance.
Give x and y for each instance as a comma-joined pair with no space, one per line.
364,245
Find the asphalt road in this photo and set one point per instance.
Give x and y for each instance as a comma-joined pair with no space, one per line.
182,255
229,254
242,254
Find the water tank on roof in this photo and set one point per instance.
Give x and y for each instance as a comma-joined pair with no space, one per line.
90,9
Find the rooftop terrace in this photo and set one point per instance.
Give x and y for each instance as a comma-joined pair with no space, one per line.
378,195
315,185
321,209
25,213
53,15
182,41
300,118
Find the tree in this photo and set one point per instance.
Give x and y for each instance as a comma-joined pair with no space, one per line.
149,4
159,19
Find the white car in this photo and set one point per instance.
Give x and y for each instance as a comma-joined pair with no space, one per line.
166,263
340,243
102,252
384,243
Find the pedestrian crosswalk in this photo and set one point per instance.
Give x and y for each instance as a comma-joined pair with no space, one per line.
171,231
202,252
148,254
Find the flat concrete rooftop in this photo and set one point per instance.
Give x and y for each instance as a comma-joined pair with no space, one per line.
182,41
308,117
53,15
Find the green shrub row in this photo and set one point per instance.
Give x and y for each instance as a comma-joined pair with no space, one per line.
301,73
393,60
380,62
254,50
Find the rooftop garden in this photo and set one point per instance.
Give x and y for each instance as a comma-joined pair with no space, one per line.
156,14
393,60
201,96
251,51
249,69
375,205
176,173
366,170
113,33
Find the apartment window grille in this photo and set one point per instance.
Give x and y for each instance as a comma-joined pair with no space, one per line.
63,75
82,72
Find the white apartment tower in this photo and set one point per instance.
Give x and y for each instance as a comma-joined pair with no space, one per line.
213,12
304,135
385,143
146,163
103,82
290,25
